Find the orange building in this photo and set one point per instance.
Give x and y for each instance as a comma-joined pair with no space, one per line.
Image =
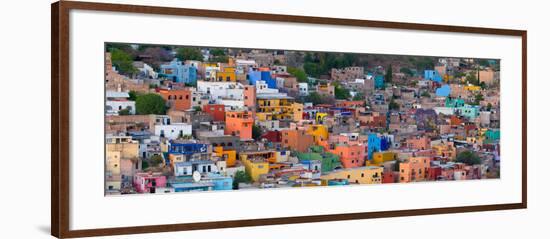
177,99
414,169
297,140
249,96
239,123
227,74
351,155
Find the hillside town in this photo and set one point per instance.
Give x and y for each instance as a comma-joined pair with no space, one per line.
182,119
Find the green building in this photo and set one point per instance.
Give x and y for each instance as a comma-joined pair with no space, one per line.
329,161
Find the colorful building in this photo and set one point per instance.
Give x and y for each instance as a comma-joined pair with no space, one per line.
177,99
360,175
378,158
261,74
227,74
318,131
274,107
432,75
296,139
178,72
148,182
239,123
255,167
217,111
377,143
351,155
329,161
414,169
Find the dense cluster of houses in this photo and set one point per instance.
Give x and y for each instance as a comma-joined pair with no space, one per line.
247,123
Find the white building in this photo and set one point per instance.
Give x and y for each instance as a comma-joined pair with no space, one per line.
218,91
173,131
117,101
261,88
187,168
444,110
303,89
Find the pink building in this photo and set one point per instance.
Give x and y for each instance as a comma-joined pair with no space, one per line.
148,182
420,143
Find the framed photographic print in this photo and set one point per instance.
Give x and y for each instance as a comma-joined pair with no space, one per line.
166,119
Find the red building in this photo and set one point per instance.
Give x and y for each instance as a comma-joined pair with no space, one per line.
177,99
216,111
273,136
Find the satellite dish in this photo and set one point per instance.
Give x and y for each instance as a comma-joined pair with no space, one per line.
196,176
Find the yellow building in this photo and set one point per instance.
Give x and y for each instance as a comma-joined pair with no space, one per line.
379,158
472,88
445,150
318,131
228,74
275,107
360,175
128,148
229,156
112,170
298,111
319,117
122,159
256,163
255,168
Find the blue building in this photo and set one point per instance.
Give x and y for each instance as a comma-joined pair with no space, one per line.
179,72
189,150
376,144
255,74
443,91
207,183
176,147
379,81
432,75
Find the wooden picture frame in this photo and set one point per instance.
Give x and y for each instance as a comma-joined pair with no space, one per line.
60,126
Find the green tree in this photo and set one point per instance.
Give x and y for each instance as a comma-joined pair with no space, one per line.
472,78
468,157
393,105
483,85
298,73
359,96
125,111
189,53
155,160
144,165
389,74
217,52
150,104
489,106
197,108
478,98
123,62
425,94
241,177
406,71
340,92
133,95
256,132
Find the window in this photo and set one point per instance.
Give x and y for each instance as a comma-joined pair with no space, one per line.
362,175
349,176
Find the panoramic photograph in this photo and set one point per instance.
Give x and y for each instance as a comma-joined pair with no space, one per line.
193,118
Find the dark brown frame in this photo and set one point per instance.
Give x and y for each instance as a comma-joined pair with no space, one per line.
60,117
